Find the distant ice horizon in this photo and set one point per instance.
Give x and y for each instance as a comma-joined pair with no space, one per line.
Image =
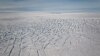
32,14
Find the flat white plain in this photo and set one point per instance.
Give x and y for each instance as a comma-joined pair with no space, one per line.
47,34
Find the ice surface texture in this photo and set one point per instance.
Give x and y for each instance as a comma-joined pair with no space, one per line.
50,37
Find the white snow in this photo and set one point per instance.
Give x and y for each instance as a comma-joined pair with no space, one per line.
47,34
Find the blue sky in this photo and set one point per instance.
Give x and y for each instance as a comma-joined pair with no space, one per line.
49,5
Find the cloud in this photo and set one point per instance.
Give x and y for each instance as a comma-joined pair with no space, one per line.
50,5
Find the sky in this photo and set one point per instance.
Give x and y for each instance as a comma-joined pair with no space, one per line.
49,5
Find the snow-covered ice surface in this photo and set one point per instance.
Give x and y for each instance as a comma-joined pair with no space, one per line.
50,35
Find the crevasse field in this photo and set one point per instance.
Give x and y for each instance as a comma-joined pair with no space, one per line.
42,34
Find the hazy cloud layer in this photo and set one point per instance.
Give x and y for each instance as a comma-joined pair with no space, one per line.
50,5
